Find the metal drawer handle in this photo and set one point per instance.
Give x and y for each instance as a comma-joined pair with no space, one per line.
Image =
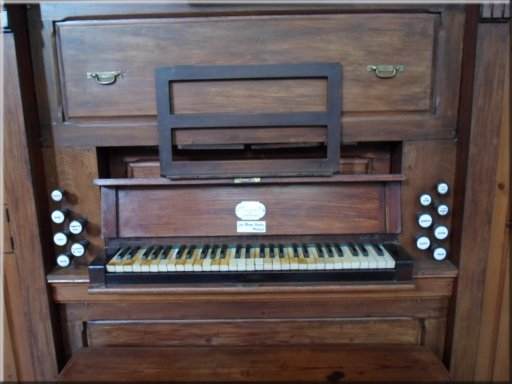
104,78
386,71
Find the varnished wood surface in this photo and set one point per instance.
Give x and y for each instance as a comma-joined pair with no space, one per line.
263,180
29,303
392,39
424,164
256,364
493,54
440,84
246,332
494,352
316,209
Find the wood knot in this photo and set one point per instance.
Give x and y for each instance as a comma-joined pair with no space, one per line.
335,377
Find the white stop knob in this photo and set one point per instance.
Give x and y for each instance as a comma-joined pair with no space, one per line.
425,220
422,243
439,253
425,199
441,232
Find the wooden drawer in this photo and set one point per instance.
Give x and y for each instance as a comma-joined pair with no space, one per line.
252,332
421,101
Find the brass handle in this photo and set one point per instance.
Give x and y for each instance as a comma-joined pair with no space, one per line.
386,71
104,78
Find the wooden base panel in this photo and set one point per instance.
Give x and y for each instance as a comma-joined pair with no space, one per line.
255,364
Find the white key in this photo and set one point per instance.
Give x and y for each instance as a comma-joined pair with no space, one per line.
353,262
189,261
128,265
390,261
232,265
162,265
381,262
114,261
171,262
249,263
338,258
364,262
207,261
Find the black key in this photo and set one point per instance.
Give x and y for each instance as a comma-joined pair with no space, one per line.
122,253
165,252
213,253
204,252
180,251
223,251
271,251
131,252
191,252
238,254
295,250
319,250
156,252
340,250
378,250
330,253
262,251
353,249
147,252
305,250
281,251
247,251
363,249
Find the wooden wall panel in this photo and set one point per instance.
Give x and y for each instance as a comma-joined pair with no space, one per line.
492,342
30,306
493,47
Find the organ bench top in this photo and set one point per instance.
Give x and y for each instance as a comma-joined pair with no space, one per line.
335,363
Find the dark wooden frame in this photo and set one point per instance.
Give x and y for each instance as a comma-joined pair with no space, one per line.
168,121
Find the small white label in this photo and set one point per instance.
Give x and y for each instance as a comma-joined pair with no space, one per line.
425,199
251,226
441,232
76,227
57,195
58,216
250,210
442,188
439,254
77,250
442,210
422,243
425,220
63,261
60,239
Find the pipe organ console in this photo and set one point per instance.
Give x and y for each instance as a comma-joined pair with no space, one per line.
290,167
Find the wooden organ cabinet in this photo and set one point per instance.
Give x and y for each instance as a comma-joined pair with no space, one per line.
257,192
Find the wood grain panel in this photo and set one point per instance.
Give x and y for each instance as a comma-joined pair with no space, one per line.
182,211
74,171
137,47
30,306
492,59
315,364
425,163
201,136
249,96
248,332
8,245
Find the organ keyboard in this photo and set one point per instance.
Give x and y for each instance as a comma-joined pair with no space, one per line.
325,261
